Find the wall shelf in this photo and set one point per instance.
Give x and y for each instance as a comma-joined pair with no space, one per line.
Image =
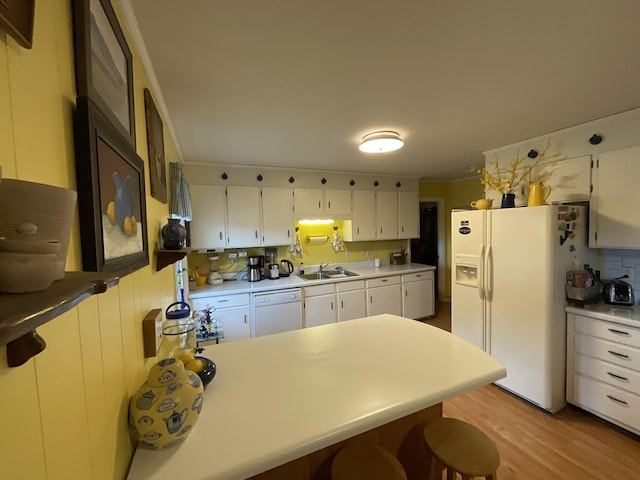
22,313
167,257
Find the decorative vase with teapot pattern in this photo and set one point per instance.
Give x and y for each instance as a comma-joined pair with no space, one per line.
165,409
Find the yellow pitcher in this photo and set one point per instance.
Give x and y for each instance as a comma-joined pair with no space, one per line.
538,194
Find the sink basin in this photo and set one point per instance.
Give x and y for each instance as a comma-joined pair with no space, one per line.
328,274
315,276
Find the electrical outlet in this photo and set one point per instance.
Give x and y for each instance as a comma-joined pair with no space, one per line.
367,253
630,273
233,256
242,253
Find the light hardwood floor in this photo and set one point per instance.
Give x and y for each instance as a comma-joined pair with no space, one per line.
536,445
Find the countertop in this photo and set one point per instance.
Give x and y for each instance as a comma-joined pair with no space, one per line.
621,314
294,281
279,397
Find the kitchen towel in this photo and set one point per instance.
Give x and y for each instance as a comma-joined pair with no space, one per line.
336,242
295,248
180,197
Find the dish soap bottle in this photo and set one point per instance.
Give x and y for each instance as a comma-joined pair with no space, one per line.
301,269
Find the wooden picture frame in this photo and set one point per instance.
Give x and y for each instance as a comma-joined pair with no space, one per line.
155,143
104,70
16,18
111,195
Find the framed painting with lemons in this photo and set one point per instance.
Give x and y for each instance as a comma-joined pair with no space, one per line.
111,195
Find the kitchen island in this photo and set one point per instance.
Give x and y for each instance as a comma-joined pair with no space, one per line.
277,400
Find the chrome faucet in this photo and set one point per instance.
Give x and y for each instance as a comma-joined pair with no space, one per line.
325,265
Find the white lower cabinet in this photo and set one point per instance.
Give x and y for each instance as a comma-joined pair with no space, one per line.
417,295
384,295
603,369
319,305
233,313
351,300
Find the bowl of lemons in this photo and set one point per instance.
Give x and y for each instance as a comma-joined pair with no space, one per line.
201,366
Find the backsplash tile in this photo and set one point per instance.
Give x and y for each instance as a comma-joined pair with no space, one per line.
616,260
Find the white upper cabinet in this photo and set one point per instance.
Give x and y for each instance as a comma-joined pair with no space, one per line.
362,226
207,226
337,202
316,201
277,222
307,201
243,216
408,215
615,202
386,215
570,180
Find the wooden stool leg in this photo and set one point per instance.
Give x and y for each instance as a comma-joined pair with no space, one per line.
432,475
451,475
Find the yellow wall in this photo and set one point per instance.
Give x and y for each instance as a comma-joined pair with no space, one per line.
65,410
456,195
312,253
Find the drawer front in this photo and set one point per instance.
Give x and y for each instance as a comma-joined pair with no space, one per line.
608,330
615,353
350,286
222,301
324,289
383,281
618,405
414,277
606,372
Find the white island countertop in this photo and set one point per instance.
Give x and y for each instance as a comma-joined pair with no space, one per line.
279,397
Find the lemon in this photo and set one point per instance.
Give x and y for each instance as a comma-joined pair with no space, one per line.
195,365
111,213
186,358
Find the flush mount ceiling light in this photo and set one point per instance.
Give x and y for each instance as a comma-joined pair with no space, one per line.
381,142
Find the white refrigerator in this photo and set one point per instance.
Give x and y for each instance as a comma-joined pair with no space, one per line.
507,296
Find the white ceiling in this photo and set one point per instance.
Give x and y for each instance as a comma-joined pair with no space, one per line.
297,83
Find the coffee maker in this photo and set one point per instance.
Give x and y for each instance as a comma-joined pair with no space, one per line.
255,268
271,263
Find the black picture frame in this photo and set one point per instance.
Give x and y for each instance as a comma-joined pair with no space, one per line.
111,189
16,18
155,144
104,69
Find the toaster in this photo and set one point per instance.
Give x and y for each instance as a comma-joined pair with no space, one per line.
618,292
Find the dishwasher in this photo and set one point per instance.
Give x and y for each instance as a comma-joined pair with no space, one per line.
276,311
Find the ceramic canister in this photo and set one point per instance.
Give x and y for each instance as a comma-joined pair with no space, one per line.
165,409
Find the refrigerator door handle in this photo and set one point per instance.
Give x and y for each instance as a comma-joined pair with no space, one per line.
488,281
481,290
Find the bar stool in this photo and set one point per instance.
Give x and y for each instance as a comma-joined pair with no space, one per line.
363,461
461,448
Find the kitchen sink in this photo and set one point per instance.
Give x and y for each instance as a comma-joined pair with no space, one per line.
328,274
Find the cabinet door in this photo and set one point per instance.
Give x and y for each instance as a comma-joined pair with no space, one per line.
337,202
207,227
243,214
386,215
615,206
362,227
417,299
307,201
277,221
384,300
408,215
320,310
351,305
235,323
570,180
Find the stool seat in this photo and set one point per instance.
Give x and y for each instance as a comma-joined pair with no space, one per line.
462,448
363,461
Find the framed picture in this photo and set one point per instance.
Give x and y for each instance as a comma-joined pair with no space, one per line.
111,195
155,142
104,70
16,18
